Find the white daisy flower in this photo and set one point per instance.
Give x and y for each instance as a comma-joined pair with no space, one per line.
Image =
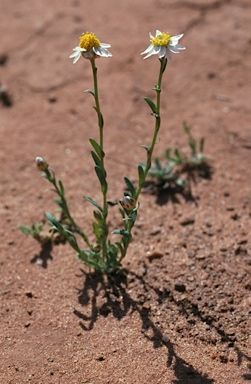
163,45
90,47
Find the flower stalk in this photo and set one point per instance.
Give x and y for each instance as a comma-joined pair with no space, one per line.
156,114
103,224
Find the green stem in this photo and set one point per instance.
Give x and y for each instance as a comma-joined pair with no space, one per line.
101,143
100,119
157,88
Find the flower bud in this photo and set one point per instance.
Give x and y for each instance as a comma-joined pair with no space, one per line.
96,248
128,203
41,164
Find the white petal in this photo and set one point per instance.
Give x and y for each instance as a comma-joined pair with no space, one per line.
79,49
104,45
148,49
173,48
99,51
76,54
175,39
76,59
158,33
162,52
180,46
168,54
150,35
150,53
154,51
102,52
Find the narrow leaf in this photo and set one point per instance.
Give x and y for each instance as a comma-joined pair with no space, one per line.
100,117
61,187
54,222
98,216
25,230
151,105
96,159
101,176
130,186
192,145
90,91
141,175
97,148
146,148
121,232
96,230
179,157
122,251
93,202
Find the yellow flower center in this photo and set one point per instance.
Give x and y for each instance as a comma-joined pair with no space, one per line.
163,39
88,41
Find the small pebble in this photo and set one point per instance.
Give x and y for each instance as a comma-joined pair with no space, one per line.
165,338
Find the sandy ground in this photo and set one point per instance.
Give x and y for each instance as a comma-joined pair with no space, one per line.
179,313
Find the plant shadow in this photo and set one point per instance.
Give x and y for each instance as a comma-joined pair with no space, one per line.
44,255
110,295
166,192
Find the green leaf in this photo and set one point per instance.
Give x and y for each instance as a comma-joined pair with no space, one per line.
151,105
130,186
61,187
25,230
98,216
96,159
141,175
168,153
93,202
54,222
192,145
179,158
96,230
133,217
100,117
90,91
97,148
121,232
102,178
146,148
73,242
122,251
